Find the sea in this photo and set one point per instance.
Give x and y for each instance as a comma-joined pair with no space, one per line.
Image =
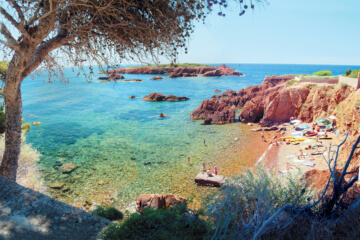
122,148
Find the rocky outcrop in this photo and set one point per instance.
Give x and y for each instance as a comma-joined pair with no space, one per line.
157,201
112,76
161,97
179,71
156,78
274,102
213,180
132,80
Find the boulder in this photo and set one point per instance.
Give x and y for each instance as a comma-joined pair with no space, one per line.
57,185
157,201
174,98
213,180
207,108
68,167
156,78
132,80
155,97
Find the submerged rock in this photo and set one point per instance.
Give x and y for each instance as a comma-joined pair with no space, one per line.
68,167
57,185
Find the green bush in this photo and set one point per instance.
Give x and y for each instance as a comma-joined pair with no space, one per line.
25,127
247,202
344,85
292,82
348,72
354,73
173,223
323,73
110,213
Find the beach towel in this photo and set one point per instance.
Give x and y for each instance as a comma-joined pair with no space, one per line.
298,161
309,164
290,156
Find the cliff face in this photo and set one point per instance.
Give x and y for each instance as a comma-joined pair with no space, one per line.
273,102
180,71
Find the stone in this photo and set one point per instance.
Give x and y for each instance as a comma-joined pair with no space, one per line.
155,97
156,201
57,185
214,180
156,78
132,80
217,91
68,167
102,182
132,97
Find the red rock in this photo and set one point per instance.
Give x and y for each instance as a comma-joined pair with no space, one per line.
155,97
214,180
207,107
214,73
156,78
157,201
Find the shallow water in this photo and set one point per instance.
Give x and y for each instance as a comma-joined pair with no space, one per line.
120,145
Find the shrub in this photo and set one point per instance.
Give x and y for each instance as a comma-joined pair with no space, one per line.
2,119
323,73
244,205
110,213
354,73
303,106
177,222
25,127
348,72
292,82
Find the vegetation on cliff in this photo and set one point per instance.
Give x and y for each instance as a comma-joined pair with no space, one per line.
323,73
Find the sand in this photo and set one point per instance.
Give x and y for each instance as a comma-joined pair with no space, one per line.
283,158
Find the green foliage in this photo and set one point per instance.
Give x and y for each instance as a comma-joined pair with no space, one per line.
173,223
25,127
303,106
3,68
323,73
354,73
243,205
348,72
110,213
292,82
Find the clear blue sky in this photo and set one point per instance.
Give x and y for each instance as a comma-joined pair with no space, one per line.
285,31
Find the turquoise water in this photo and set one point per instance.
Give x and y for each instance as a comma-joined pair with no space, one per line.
120,145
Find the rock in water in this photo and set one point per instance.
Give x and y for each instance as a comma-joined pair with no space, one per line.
214,180
156,78
57,185
68,168
157,201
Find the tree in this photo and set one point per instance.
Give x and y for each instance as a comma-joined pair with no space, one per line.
37,32
348,72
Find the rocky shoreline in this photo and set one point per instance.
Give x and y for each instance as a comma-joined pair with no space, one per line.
174,72
277,99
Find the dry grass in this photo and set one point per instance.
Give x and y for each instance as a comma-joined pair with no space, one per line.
28,174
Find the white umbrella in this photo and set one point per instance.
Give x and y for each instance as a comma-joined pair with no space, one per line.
332,117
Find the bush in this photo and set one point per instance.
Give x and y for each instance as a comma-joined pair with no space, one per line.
244,205
110,213
323,73
292,82
173,223
344,85
354,73
25,127
348,72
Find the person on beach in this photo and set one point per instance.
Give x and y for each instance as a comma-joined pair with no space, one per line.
189,160
262,136
215,170
301,155
318,128
313,127
208,172
204,141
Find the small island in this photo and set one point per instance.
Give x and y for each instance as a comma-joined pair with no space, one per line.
161,97
180,70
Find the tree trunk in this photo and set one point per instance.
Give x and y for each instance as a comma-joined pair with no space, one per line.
13,113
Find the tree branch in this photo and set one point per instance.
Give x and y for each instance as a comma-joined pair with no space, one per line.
19,12
341,179
15,23
11,42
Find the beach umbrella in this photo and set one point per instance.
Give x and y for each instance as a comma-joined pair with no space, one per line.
323,121
332,117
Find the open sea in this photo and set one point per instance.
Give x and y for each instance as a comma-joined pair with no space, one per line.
120,145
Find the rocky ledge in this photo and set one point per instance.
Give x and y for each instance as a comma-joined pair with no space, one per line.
161,97
206,71
276,100
156,201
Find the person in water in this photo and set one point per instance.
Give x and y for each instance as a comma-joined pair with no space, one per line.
162,115
188,159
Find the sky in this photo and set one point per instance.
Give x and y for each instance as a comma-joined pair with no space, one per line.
282,31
